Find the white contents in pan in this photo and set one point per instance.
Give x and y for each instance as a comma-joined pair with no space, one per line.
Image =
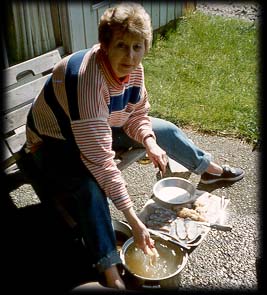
173,194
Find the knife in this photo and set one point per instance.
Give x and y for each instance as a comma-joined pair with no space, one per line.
216,226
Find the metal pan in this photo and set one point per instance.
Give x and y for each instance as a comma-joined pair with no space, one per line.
172,191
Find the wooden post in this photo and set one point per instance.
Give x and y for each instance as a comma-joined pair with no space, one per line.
188,7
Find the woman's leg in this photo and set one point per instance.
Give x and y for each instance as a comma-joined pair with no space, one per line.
98,233
179,147
96,225
171,139
89,205
120,140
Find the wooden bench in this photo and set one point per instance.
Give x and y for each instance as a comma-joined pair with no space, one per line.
22,84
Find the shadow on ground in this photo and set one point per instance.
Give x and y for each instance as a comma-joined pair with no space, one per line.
212,187
41,254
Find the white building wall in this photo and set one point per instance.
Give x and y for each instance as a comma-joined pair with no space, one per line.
83,19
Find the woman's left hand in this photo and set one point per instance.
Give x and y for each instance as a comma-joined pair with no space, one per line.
156,154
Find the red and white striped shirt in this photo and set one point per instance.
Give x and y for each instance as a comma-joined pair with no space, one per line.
82,101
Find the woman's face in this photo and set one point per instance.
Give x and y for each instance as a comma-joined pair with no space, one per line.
125,52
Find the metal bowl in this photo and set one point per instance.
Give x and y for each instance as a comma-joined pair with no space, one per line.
122,232
121,226
181,254
172,191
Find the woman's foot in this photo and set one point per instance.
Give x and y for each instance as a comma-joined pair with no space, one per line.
214,168
113,278
229,174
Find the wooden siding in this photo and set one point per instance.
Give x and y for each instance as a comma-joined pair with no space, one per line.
84,18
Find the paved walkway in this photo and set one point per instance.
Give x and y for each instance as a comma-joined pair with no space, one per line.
225,260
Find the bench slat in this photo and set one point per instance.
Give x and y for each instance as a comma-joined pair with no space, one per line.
37,65
16,142
131,156
15,119
23,94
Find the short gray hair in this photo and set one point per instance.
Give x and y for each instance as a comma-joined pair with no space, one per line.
125,17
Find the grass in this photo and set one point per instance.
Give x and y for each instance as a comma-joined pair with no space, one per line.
204,74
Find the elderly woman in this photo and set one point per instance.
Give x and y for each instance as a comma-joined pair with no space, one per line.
95,103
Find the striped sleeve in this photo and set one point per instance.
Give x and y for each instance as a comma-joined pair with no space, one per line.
94,140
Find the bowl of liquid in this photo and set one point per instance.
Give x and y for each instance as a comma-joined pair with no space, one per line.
171,191
170,261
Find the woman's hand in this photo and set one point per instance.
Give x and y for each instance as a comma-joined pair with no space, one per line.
156,154
142,237
140,233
